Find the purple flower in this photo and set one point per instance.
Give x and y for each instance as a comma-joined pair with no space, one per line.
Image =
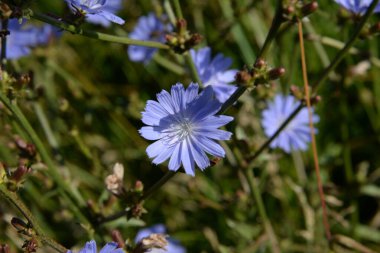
173,245
90,247
22,38
215,72
149,28
296,134
357,6
98,11
184,126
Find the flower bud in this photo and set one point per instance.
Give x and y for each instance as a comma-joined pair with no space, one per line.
139,186
181,26
117,237
243,77
309,8
260,64
276,73
19,173
30,246
19,224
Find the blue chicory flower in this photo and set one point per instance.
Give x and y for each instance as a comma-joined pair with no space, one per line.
98,11
173,245
357,6
296,134
90,247
149,28
22,38
215,72
184,126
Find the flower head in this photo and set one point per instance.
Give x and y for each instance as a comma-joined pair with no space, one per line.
98,11
114,182
22,38
215,72
90,247
357,6
296,134
184,126
172,246
150,28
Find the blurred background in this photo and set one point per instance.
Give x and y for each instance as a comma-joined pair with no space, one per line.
85,101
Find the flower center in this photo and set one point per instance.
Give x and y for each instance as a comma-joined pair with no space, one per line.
178,131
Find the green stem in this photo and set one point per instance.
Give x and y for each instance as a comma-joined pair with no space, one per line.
193,69
255,191
96,35
177,8
52,169
158,185
163,180
14,200
322,78
346,48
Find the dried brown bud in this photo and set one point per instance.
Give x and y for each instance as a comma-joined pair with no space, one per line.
194,40
153,241
30,245
315,100
20,173
114,182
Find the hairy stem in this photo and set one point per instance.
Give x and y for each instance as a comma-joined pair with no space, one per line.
96,35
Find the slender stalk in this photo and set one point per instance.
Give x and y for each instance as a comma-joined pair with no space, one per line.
322,78
169,174
252,157
255,191
163,180
75,197
177,8
17,202
193,69
276,23
96,35
3,55
312,130
346,48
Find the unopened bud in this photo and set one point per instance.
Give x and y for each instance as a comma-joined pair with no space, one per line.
296,92
309,8
243,77
276,73
315,100
260,63
181,26
170,39
139,186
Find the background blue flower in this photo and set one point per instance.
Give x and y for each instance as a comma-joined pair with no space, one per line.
98,11
296,134
184,126
90,247
357,6
22,38
149,28
173,245
215,72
